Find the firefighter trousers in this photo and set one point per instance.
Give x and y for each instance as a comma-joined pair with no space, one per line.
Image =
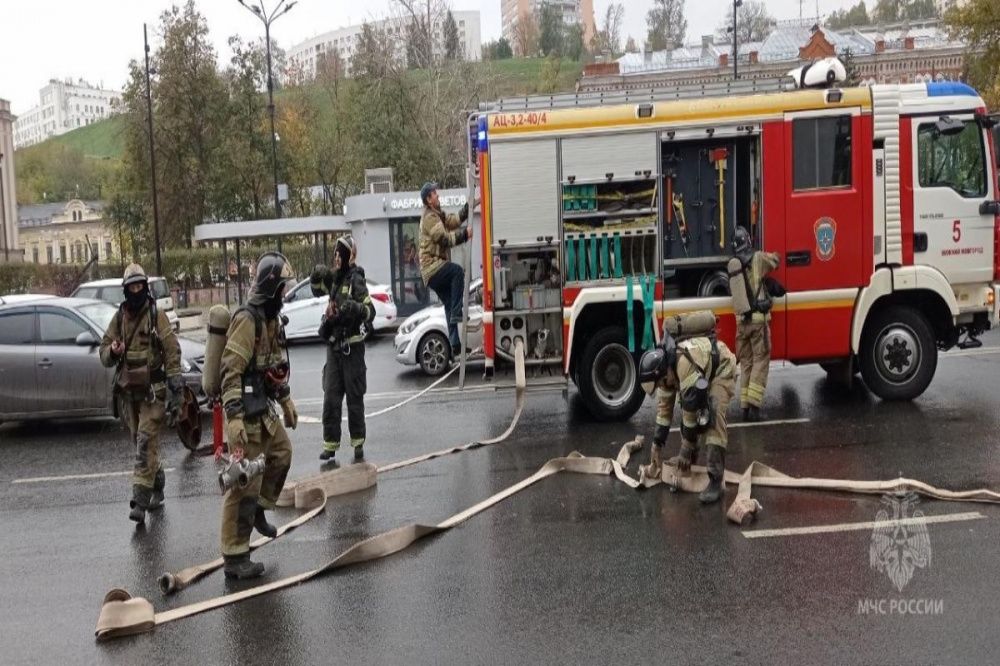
344,375
239,506
144,417
753,350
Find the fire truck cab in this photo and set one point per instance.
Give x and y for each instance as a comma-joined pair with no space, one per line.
604,213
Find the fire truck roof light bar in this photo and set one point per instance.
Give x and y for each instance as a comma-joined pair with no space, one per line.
640,95
950,89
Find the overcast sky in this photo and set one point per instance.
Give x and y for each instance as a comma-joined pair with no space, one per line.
94,39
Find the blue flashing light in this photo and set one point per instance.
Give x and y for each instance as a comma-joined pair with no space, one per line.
950,89
483,142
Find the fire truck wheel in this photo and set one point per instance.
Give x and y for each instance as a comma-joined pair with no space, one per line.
898,354
433,353
714,283
608,376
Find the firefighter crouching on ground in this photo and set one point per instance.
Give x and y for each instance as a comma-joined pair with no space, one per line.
439,232
752,307
700,370
345,372
254,377
141,342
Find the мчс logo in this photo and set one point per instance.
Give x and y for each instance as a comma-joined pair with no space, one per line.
826,237
900,542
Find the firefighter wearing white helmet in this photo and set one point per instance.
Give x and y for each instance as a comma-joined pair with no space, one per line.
348,313
700,370
141,344
748,270
254,380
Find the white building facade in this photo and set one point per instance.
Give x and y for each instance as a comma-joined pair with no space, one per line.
63,106
8,195
304,56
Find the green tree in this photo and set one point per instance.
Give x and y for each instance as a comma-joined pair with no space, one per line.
850,67
849,18
666,23
977,24
373,56
452,45
573,45
552,33
53,171
497,50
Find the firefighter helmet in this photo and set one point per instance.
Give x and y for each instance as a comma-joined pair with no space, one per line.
655,363
133,274
346,246
273,270
741,242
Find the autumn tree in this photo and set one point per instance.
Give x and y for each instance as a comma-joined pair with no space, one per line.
666,24
977,24
609,37
526,35
753,22
849,18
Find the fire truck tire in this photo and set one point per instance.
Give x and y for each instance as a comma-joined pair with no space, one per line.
433,354
898,353
714,283
609,377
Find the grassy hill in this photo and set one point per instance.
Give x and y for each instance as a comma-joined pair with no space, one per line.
522,76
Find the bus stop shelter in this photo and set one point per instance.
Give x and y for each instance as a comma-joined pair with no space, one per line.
317,226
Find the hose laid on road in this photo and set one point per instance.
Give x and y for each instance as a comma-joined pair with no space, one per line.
123,615
346,480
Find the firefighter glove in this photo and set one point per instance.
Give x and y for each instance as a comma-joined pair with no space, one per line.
237,433
463,214
291,415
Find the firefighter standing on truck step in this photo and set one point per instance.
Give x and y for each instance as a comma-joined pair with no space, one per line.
255,377
701,371
752,307
439,232
148,382
348,313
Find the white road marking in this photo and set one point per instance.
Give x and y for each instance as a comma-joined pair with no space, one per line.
870,525
767,423
73,477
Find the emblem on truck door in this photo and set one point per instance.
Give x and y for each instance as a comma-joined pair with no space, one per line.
826,237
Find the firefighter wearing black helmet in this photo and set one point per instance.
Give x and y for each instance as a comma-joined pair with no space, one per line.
254,375
700,370
141,343
349,312
748,269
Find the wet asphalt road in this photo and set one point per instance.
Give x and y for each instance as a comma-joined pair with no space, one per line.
575,569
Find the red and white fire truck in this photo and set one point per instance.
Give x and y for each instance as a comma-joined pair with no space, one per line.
604,213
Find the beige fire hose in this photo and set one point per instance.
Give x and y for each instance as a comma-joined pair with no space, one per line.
123,615
302,493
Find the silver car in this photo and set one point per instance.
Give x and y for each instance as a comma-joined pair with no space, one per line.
49,361
423,338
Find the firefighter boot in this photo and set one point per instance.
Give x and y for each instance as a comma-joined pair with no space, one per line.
156,498
746,414
261,524
241,568
753,415
139,503
359,453
329,450
716,464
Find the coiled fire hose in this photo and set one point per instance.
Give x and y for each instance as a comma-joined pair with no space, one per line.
123,615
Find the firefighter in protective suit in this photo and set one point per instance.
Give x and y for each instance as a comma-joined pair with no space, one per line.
148,382
752,307
345,373
254,375
701,371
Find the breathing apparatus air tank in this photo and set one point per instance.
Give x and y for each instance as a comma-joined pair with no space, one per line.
690,324
218,327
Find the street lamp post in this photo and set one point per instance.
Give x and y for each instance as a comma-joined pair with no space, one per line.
152,155
267,19
736,40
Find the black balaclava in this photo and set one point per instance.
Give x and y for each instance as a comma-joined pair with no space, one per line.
345,260
135,301
272,306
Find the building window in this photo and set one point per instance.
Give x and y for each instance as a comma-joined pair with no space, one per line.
955,161
107,250
48,254
34,254
821,152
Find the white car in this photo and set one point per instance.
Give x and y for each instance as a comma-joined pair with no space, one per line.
304,311
110,291
423,338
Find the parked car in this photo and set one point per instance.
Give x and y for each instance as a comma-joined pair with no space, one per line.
304,311
22,298
110,291
49,361
423,338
